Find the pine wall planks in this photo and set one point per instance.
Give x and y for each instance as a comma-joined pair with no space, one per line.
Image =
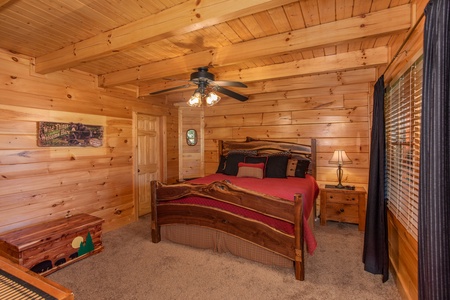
42,183
332,108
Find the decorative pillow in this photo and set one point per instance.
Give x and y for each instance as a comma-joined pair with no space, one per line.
257,159
276,166
280,153
291,167
243,151
231,166
251,170
297,167
302,168
222,163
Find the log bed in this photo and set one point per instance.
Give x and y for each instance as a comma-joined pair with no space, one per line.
168,206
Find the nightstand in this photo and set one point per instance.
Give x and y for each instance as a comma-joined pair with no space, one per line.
343,205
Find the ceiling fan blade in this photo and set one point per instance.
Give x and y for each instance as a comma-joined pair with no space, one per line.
231,94
229,83
171,89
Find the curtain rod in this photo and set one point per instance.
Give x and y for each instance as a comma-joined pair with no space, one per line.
404,42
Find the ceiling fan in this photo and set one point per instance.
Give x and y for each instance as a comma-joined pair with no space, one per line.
207,87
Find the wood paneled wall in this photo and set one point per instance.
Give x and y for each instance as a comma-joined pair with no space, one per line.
332,108
191,157
404,259
42,183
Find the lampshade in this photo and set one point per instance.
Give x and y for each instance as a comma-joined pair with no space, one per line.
212,99
195,100
206,93
340,158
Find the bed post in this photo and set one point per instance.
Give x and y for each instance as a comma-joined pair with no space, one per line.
313,157
298,225
220,148
156,229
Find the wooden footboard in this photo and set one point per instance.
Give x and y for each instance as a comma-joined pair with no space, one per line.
291,246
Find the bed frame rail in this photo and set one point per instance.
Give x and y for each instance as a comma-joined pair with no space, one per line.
164,212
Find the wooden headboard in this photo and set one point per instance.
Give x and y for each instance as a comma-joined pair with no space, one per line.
268,147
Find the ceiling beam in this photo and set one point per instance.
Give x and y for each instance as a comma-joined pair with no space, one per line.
278,88
333,63
182,18
4,2
379,23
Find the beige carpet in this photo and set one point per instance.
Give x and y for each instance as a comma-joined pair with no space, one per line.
132,267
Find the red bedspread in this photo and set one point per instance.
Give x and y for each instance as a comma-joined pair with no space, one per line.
280,187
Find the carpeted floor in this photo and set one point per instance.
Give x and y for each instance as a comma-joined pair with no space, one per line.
132,267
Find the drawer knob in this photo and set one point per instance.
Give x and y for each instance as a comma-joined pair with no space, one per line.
331,197
341,210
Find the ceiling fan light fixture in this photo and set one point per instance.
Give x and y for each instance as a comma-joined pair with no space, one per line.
207,89
212,99
195,100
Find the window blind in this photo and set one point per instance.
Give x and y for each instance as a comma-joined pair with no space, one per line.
403,103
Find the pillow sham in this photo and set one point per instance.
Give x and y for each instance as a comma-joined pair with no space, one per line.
254,170
257,159
291,167
243,151
276,166
302,168
231,165
222,162
297,167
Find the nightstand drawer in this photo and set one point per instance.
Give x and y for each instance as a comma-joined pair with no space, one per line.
345,198
342,212
341,205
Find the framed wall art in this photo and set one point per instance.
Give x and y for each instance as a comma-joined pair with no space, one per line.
55,134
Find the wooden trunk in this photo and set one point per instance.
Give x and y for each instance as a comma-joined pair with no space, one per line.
46,247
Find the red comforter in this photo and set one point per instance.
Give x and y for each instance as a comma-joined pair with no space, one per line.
280,187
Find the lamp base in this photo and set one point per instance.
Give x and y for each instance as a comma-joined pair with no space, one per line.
344,187
339,186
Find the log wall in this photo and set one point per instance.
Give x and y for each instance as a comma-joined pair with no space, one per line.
43,183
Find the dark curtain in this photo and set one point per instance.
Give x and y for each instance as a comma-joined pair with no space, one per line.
375,255
434,192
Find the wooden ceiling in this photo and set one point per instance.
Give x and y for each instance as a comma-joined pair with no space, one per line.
145,43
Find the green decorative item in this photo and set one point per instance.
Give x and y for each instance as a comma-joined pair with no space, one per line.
86,247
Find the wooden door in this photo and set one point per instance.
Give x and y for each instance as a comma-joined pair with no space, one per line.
148,158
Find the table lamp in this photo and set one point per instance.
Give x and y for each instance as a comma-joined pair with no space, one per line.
340,158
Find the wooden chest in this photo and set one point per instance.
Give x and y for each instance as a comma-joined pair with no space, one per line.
46,247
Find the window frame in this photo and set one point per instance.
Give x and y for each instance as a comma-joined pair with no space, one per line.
403,105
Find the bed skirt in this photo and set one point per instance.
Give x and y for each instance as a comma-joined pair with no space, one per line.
221,242
218,241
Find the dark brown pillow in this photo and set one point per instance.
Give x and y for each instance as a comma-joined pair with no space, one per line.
276,166
222,162
302,168
231,166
